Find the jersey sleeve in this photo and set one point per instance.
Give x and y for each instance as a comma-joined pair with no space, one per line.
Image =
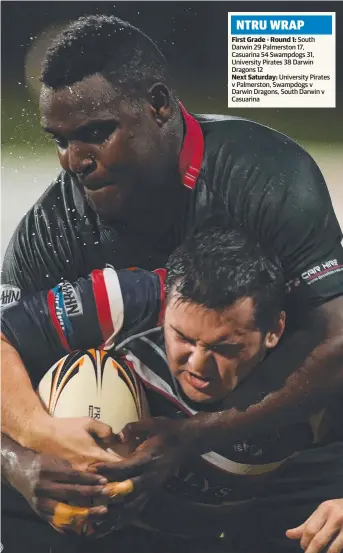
98,311
273,188
27,266
52,242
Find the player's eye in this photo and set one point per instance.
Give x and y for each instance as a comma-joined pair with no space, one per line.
100,133
184,339
227,350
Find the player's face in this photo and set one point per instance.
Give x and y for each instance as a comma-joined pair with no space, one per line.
114,148
210,352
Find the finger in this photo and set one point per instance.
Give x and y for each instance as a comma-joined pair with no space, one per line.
69,515
102,455
93,467
118,489
114,441
337,544
94,456
107,456
133,466
74,476
139,430
295,533
74,526
46,509
100,429
312,527
127,492
67,492
322,538
95,514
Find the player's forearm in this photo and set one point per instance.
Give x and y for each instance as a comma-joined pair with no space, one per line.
23,417
298,379
102,308
15,460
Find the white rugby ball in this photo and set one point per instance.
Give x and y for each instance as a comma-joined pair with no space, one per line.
94,384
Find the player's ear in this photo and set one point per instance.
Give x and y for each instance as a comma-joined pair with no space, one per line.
160,103
272,337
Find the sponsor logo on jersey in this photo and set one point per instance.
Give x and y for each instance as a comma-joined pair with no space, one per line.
197,487
59,308
322,270
9,295
60,311
72,300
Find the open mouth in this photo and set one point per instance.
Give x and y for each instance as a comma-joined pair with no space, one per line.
197,381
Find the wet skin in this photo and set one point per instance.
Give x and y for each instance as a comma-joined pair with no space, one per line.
122,153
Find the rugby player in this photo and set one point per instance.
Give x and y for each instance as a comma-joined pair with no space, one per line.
224,313
138,173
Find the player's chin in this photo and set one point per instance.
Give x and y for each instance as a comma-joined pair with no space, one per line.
109,202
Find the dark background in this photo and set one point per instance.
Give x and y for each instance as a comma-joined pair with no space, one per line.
193,37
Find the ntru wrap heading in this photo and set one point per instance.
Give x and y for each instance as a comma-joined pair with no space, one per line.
281,24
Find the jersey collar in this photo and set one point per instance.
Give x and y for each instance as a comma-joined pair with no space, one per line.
192,151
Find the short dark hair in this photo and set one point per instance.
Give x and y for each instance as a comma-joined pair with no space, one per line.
216,266
103,44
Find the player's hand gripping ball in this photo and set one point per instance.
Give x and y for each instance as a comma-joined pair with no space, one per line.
94,384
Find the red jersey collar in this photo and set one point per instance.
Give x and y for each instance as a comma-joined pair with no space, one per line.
191,155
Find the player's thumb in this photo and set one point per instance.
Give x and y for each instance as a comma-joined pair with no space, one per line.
100,430
295,533
139,431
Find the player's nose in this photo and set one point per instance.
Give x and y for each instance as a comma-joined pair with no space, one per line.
200,362
81,162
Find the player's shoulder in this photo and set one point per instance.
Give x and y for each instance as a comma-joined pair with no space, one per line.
61,199
148,349
148,345
60,207
242,137
241,154
47,232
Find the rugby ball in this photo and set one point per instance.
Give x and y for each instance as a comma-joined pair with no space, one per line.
94,384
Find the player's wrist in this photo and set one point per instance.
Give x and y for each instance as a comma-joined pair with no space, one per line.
38,430
16,463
